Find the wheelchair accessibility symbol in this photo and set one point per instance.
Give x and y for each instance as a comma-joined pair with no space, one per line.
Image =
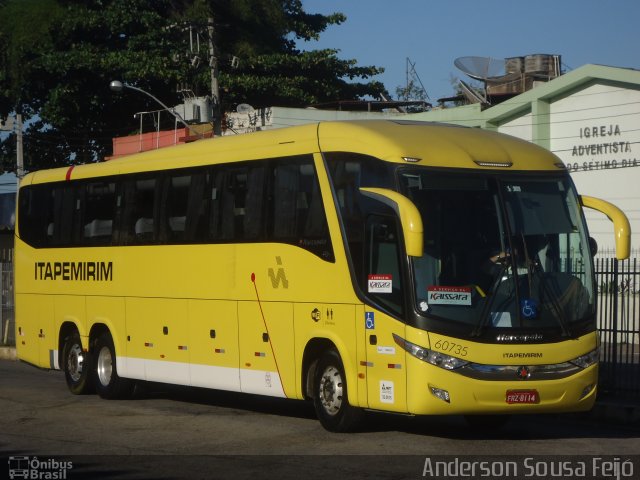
529,308
369,321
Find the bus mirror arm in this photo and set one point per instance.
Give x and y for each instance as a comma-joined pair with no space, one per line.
621,227
410,218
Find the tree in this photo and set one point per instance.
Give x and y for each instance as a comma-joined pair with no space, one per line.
57,58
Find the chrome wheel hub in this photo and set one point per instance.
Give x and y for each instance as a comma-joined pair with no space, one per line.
104,366
75,362
331,390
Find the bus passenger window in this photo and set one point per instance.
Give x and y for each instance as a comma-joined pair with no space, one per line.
198,204
35,223
221,201
253,222
297,209
176,207
383,280
64,214
99,213
139,211
286,195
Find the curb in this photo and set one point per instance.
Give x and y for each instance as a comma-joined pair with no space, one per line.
8,353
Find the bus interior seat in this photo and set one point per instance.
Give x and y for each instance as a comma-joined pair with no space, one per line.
177,224
98,228
144,227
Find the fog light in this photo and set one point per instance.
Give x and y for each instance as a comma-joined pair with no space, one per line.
587,390
440,393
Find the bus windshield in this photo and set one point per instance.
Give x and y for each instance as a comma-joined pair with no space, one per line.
500,252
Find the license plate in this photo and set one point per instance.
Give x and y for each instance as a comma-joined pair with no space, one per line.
522,396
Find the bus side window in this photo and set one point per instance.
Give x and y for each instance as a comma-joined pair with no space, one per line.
255,200
221,218
286,197
238,214
99,213
65,213
297,209
35,223
140,210
383,280
199,203
176,207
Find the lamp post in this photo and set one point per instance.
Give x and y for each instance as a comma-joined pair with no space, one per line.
117,86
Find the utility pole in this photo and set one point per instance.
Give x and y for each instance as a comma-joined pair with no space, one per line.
215,92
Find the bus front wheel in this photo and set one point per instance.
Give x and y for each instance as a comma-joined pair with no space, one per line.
331,400
108,384
77,365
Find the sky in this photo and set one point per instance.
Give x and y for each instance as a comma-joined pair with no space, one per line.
433,33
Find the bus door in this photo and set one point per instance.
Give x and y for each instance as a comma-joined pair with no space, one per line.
385,361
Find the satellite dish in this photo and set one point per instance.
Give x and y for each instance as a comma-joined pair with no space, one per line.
481,68
244,108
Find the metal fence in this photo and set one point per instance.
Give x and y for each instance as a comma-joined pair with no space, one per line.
7,332
619,326
618,322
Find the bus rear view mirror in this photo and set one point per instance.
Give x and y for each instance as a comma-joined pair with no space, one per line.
410,218
621,227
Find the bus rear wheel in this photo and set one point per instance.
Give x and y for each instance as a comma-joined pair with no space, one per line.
108,384
77,365
331,399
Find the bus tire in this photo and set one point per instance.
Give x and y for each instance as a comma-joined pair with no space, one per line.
77,366
107,382
330,396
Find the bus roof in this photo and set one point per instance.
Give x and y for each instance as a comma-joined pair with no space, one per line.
422,143
436,144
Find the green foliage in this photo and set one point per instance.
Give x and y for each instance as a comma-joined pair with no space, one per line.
57,58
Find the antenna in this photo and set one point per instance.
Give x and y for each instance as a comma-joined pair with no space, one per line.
413,78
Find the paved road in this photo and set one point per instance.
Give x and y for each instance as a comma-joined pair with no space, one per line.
167,432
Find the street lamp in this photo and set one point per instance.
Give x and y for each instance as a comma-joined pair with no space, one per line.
117,86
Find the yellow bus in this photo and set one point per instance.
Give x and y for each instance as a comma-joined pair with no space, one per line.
385,265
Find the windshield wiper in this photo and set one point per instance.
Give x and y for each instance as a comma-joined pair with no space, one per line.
484,314
559,314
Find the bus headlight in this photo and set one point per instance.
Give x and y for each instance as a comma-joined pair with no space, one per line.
584,361
434,358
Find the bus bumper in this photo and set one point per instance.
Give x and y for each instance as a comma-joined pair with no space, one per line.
435,391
